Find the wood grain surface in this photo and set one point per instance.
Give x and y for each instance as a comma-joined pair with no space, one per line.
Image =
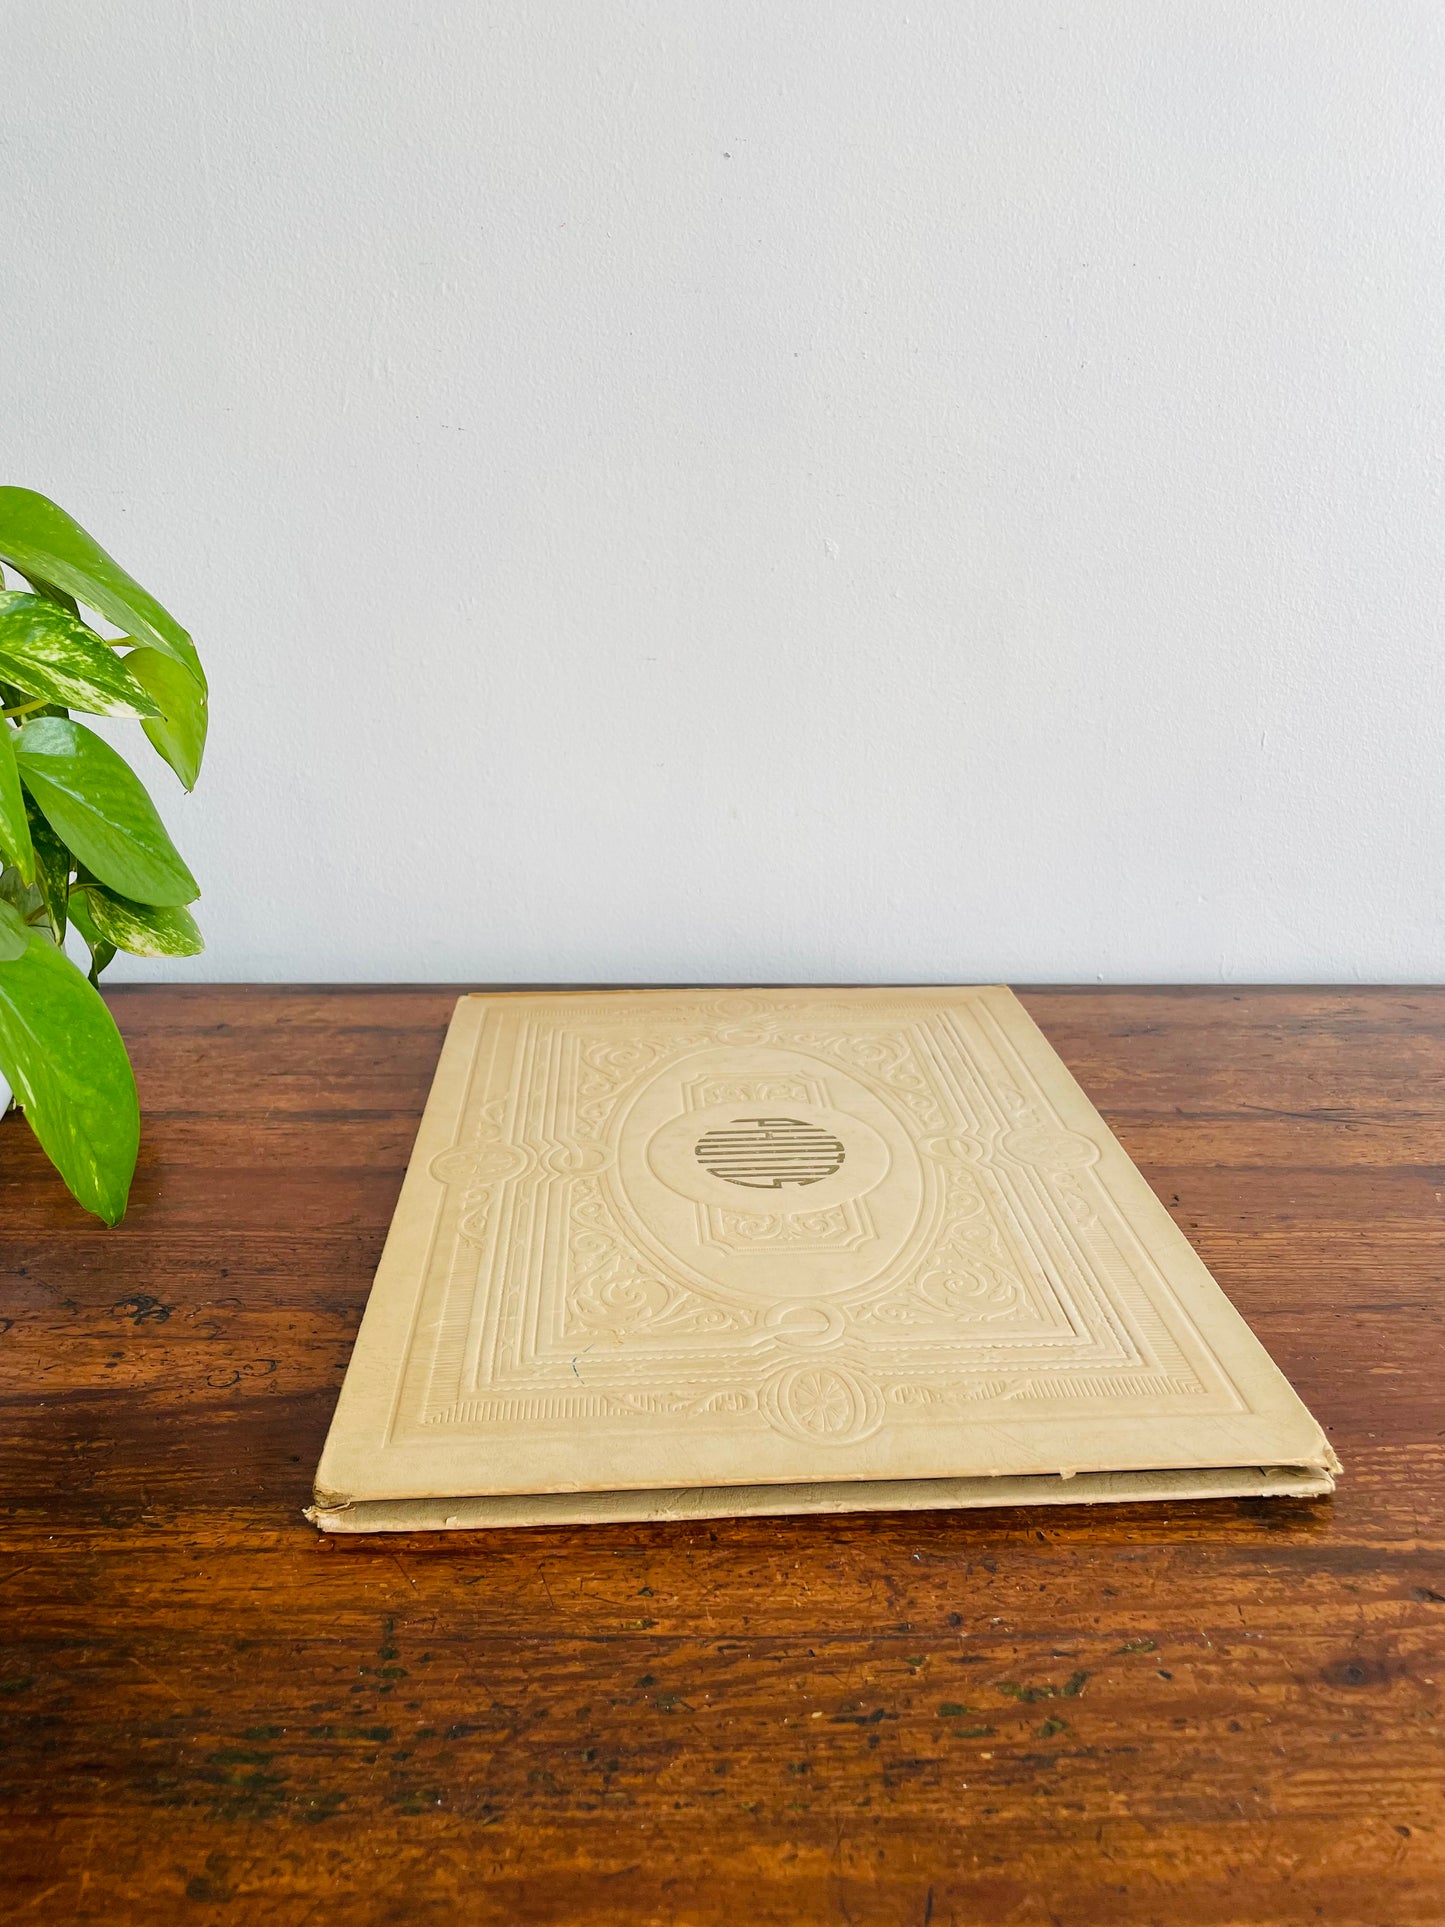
1208,1714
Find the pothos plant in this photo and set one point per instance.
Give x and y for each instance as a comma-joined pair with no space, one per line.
83,846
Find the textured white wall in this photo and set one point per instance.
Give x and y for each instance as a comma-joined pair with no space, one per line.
741,490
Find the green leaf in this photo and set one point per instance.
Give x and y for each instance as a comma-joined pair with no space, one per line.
179,731
53,865
63,1057
14,935
144,929
39,537
46,652
99,809
101,952
14,824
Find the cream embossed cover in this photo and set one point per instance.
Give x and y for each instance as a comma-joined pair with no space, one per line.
676,1253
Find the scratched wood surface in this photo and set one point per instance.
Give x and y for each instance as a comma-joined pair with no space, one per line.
1207,1714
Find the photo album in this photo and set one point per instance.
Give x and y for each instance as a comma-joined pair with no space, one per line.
686,1254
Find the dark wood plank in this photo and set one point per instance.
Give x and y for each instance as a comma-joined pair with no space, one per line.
1201,1714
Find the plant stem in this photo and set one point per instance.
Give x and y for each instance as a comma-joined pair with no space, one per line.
24,709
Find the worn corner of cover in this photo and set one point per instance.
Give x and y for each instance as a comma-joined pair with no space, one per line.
327,1506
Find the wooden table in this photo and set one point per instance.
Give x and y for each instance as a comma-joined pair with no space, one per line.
1211,1713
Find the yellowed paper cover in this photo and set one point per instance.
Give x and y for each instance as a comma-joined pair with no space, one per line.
681,1254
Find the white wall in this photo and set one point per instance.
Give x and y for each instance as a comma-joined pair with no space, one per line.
823,490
